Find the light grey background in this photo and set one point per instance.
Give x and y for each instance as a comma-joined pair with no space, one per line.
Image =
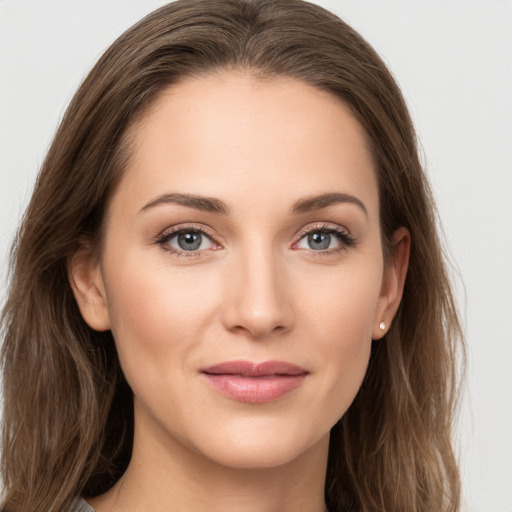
453,59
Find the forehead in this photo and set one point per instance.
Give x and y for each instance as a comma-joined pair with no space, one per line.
229,132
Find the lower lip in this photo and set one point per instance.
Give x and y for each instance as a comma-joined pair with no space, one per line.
255,390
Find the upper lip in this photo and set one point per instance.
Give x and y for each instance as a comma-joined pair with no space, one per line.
252,369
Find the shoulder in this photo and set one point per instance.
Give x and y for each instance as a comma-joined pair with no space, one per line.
80,505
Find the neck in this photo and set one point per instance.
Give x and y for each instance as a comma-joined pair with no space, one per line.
166,477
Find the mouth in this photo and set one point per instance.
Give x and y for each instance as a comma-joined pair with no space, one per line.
255,383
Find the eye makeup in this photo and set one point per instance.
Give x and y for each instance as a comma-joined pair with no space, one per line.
192,240
190,234
321,233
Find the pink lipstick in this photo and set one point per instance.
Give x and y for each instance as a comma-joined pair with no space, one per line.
254,383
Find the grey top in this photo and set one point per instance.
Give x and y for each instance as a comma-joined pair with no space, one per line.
81,505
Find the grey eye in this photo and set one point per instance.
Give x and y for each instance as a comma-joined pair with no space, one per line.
319,241
189,240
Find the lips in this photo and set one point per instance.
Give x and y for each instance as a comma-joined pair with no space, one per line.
250,382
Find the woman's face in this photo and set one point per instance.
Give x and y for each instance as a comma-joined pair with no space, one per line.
242,272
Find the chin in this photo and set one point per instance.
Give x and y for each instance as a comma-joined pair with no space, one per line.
256,445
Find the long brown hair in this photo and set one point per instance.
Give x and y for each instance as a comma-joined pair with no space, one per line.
68,418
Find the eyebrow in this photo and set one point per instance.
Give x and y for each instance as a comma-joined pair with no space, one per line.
206,204
213,205
319,202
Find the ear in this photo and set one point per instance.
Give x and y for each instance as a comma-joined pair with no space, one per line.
86,279
393,282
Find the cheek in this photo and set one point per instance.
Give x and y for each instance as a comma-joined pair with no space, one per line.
341,303
340,312
156,313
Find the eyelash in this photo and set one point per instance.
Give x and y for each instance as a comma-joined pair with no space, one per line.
167,235
345,238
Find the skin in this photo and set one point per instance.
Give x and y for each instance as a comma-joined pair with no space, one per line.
257,290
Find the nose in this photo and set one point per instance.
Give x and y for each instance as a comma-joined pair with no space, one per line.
257,295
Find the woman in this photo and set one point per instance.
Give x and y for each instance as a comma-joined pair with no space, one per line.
228,290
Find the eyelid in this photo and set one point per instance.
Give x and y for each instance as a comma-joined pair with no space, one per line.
322,226
164,236
345,237
190,226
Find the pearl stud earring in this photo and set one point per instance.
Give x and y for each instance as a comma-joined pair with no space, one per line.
382,326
